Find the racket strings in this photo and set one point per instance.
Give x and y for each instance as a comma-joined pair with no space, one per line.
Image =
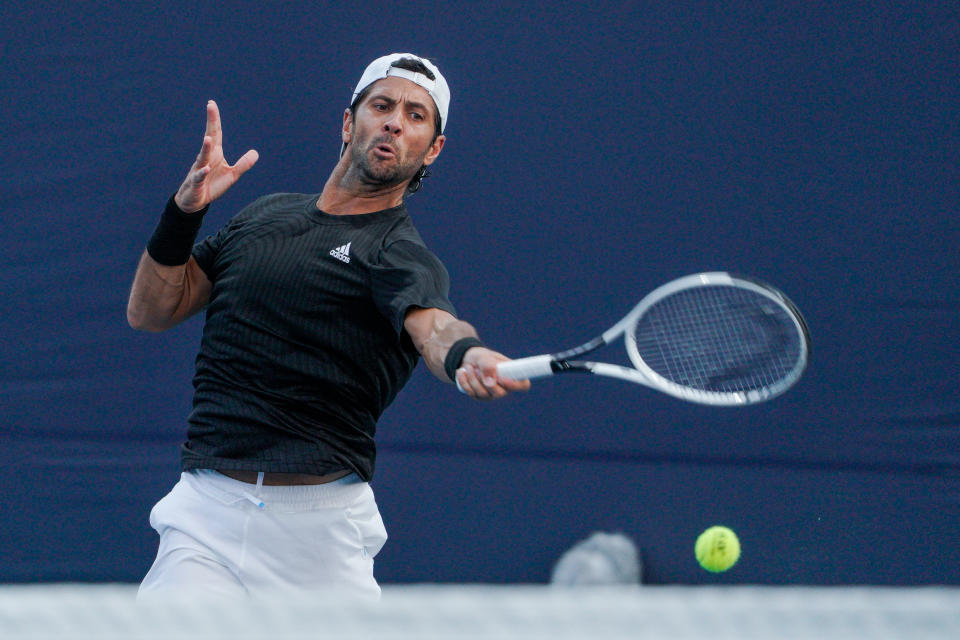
720,339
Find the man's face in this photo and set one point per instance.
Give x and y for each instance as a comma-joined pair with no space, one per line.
391,134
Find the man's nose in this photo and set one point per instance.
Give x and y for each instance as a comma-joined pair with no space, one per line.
392,124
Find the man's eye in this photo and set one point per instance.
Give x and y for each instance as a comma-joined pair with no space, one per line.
380,107
416,116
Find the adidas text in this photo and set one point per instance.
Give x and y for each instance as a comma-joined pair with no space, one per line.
342,253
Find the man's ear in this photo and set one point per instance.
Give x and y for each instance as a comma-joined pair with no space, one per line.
434,149
346,132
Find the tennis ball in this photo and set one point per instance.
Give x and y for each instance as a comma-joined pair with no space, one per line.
717,549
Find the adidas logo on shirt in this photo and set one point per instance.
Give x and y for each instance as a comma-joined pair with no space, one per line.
342,253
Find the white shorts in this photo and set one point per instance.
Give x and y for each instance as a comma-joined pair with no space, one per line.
223,537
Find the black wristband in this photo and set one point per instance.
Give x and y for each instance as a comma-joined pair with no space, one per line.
172,241
455,355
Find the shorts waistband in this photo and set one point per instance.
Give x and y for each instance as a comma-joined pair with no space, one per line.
338,493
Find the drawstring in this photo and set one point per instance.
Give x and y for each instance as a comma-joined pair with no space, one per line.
255,500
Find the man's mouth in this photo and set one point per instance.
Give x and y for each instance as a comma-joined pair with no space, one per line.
384,151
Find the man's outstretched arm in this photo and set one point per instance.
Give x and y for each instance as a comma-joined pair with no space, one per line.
162,296
436,332
169,285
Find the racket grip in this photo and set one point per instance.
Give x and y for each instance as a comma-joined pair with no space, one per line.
526,368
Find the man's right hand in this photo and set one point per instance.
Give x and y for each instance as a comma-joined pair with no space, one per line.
210,176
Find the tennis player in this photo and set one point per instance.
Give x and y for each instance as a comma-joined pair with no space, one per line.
318,307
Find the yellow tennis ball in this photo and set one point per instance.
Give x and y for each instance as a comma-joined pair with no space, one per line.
717,549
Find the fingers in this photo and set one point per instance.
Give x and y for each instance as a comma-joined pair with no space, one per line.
200,174
210,176
478,377
201,167
514,386
478,386
213,123
246,161
203,157
211,152
487,386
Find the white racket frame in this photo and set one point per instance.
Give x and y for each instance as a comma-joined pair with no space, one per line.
543,365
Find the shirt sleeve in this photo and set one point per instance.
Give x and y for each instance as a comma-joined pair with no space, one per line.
205,252
409,275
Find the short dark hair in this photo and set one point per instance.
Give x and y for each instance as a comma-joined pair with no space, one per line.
410,64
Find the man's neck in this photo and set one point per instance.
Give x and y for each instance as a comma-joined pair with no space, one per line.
344,194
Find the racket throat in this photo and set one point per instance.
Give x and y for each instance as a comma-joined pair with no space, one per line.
586,347
565,366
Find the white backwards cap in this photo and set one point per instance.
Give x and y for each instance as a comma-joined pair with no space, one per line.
382,67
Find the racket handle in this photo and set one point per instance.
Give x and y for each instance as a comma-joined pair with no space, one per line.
526,368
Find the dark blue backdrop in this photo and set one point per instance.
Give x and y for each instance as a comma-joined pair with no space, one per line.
593,153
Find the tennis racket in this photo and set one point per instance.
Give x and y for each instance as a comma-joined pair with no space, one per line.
711,338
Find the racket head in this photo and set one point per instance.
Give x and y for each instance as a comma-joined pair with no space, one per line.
717,338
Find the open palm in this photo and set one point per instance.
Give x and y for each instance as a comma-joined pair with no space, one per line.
211,175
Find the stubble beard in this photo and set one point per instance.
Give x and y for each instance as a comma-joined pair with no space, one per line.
383,174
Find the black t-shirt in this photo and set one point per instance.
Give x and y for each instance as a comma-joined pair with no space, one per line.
303,346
